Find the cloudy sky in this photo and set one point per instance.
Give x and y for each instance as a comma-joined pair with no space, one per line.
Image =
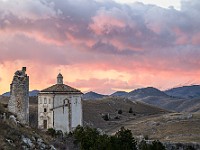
101,45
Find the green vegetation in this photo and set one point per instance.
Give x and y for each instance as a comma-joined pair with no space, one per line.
130,110
91,139
120,111
106,117
156,145
54,133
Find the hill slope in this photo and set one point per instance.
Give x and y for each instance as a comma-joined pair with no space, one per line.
119,93
93,111
145,92
92,96
172,127
186,92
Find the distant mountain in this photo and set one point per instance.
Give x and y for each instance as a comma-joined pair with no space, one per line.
92,96
31,93
7,94
187,92
146,92
119,93
160,99
34,93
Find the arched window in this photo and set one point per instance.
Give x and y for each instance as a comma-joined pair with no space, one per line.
45,100
49,101
40,101
45,110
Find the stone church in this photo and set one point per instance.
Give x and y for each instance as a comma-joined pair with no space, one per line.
60,107
19,96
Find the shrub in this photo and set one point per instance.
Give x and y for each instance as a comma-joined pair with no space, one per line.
157,145
91,139
120,111
51,132
130,110
106,117
125,140
117,117
146,137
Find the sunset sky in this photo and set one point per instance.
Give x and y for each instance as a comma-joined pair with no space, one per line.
101,45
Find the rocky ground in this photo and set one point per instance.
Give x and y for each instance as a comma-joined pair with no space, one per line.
14,135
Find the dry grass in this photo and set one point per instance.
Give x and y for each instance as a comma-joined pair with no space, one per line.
168,127
94,110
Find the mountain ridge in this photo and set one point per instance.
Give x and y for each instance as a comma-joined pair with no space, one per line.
31,93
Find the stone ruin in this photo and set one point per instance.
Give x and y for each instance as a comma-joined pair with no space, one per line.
19,96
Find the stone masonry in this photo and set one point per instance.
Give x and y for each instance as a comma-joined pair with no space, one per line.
19,96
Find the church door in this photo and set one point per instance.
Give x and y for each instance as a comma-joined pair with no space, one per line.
45,124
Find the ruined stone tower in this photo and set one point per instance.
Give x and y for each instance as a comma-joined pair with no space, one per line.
19,96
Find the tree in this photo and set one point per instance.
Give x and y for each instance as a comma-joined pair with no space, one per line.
51,132
120,111
90,138
125,139
157,145
143,145
106,117
130,110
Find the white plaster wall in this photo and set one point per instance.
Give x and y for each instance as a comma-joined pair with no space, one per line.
76,111
45,115
61,114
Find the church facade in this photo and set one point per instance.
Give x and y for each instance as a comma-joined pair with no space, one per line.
60,107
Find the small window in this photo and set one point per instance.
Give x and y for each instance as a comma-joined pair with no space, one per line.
45,110
45,100
49,101
40,101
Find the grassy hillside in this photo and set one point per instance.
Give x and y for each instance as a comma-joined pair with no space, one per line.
93,111
173,127
143,120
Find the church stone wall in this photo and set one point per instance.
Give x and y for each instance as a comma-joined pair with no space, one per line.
62,117
76,105
45,102
19,98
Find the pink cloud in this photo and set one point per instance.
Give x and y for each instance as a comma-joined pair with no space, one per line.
149,44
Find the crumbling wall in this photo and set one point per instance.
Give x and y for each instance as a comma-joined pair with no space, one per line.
19,96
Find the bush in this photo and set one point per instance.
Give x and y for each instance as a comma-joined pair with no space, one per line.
130,110
106,117
125,140
156,145
117,117
51,132
146,137
120,111
143,145
91,139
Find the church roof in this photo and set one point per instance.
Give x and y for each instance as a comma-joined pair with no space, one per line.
61,89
